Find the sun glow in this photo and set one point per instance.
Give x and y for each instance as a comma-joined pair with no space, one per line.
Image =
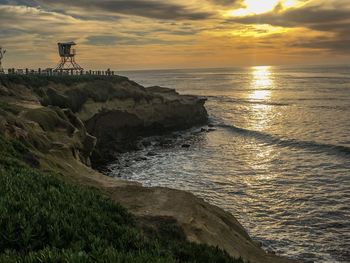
258,6
253,7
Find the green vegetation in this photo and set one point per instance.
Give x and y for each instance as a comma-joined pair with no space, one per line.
45,219
10,108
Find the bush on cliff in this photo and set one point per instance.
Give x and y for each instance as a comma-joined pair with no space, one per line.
45,219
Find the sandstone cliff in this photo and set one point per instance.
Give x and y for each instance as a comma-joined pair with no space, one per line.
115,110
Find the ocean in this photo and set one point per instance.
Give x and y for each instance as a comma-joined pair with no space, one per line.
278,157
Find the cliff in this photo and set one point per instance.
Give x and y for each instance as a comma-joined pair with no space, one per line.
115,110
70,123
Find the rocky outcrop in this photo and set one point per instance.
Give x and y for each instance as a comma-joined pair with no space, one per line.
62,120
118,123
115,110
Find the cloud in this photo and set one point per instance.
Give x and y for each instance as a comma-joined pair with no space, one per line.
312,16
173,31
231,3
332,18
101,40
157,9
339,45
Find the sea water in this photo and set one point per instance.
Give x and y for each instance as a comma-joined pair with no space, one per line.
278,158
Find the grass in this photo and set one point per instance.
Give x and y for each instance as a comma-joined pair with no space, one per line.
46,219
10,108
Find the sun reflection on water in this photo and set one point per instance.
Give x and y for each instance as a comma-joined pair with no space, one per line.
261,92
260,118
261,83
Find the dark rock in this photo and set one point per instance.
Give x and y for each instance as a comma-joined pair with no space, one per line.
139,146
196,132
175,136
165,142
186,145
152,154
141,158
146,143
258,243
211,125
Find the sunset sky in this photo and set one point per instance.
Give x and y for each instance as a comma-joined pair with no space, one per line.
150,34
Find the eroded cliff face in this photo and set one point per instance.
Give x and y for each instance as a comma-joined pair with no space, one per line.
63,121
119,123
116,110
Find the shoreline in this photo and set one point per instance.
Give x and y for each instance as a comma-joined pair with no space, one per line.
67,135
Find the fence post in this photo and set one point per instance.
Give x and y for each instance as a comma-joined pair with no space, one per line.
39,71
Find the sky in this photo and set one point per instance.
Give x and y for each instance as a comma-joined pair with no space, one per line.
159,34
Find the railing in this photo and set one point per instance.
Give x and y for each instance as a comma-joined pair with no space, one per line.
52,72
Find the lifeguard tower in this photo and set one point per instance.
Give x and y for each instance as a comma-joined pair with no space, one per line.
2,53
67,55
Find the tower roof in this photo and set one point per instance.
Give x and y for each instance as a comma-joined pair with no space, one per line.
67,43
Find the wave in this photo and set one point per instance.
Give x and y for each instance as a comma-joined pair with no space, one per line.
292,143
244,101
337,108
254,102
